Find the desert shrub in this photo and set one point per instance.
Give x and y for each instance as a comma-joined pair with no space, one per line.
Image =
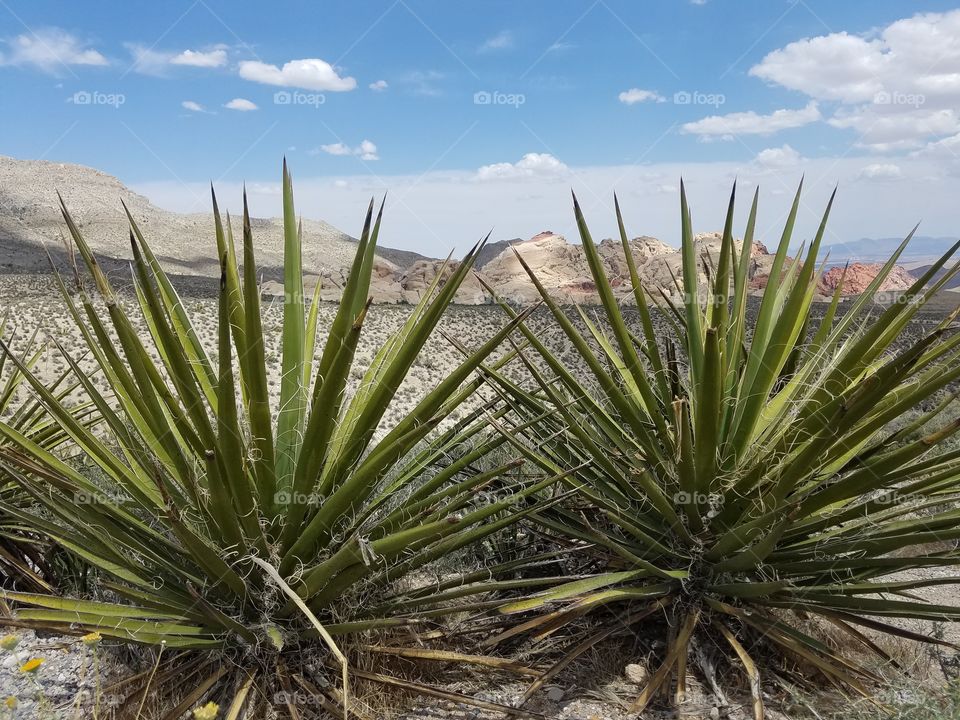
27,562
244,536
740,479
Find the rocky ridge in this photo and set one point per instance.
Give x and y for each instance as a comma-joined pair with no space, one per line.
31,225
30,220
562,267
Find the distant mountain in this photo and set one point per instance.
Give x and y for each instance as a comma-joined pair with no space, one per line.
951,284
30,219
491,250
867,250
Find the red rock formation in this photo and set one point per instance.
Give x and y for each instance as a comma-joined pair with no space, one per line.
860,275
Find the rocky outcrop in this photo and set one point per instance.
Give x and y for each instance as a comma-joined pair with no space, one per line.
489,251
418,277
385,287
563,270
647,252
858,277
560,267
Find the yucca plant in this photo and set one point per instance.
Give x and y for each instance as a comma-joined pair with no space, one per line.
24,556
740,480
223,521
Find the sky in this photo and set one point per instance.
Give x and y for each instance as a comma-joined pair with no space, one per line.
481,117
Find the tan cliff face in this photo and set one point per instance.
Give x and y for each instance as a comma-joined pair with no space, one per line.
562,267
30,220
417,278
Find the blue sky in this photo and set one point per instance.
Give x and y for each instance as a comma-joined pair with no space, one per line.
479,115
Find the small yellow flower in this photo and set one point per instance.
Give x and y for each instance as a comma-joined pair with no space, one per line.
9,642
31,666
10,703
91,639
207,712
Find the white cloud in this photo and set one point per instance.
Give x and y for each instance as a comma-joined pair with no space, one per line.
273,189
898,87
532,165
378,86
149,61
336,149
193,106
423,82
750,123
49,50
881,171
778,158
882,130
366,150
308,73
503,40
198,58
636,95
241,104
945,152
855,67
